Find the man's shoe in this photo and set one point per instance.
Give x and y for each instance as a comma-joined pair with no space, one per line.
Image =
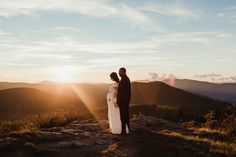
124,134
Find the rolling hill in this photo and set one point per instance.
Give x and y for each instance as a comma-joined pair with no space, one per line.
22,102
171,99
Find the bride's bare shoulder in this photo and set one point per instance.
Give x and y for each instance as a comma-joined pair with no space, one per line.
115,85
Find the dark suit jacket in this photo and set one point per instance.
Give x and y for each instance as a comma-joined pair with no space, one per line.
124,90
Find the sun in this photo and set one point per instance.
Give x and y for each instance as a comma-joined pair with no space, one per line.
64,74
64,78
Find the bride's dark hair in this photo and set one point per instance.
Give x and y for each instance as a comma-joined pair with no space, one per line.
115,77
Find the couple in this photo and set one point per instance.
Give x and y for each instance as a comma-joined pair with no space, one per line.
118,99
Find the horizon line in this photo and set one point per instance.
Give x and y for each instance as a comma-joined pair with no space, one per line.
140,81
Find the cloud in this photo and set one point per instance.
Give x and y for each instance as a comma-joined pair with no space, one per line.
211,77
23,53
3,33
216,78
95,8
171,9
66,29
92,7
69,44
169,78
191,37
160,76
137,18
73,49
72,43
229,13
27,55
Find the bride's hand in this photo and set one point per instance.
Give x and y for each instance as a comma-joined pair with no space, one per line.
115,104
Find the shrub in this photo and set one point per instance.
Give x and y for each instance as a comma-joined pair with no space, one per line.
211,121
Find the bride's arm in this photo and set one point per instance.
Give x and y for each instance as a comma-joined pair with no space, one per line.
115,91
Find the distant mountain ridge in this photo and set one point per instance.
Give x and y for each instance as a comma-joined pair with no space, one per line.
224,91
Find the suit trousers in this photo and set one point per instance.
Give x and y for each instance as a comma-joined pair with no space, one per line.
124,115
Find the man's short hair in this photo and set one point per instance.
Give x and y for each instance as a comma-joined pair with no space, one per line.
123,69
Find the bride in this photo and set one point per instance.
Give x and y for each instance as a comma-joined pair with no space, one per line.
113,108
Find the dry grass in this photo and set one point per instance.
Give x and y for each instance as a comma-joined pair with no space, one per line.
55,119
215,145
208,130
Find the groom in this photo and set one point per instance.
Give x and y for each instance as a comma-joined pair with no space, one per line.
123,99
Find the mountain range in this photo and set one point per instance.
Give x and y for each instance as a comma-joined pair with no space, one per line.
24,99
223,91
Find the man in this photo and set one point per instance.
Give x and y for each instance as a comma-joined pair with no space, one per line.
123,99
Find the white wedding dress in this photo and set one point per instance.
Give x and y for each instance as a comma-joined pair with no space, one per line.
114,112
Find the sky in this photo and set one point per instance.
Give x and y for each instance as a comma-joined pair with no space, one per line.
84,41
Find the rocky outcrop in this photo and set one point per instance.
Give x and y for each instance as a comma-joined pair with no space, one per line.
149,137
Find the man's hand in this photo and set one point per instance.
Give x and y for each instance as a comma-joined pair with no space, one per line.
116,105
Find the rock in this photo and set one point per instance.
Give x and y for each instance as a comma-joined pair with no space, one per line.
65,144
55,129
29,144
78,143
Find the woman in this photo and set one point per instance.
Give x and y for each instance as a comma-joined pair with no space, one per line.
113,108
